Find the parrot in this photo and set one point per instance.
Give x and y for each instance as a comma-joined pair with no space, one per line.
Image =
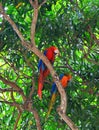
64,79
50,53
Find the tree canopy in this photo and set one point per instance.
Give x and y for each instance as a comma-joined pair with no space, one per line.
70,25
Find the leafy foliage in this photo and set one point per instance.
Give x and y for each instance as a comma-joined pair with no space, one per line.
71,26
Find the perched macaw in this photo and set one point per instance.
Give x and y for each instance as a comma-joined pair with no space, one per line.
64,79
50,53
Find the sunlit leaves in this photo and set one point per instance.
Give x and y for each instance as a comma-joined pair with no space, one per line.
63,24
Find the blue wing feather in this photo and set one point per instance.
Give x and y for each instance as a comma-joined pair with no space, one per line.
41,65
45,52
61,76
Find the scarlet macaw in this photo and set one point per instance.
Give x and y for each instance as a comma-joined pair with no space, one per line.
50,53
64,79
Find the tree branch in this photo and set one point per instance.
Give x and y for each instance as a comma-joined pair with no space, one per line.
19,109
14,67
34,20
90,60
11,103
92,35
8,90
36,116
17,120
13,85
44,1
67,120
32,89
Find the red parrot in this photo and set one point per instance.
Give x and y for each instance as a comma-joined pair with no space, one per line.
50,53
64,79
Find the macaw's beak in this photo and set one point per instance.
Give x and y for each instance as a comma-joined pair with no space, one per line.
57,53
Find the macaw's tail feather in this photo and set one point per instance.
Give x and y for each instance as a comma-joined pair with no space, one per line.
42,76
52,101
40,84
46,73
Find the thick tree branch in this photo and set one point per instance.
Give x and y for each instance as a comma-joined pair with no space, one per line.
28,106
36,116
34,20
67,120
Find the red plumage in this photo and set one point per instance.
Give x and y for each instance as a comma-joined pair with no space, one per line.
50,53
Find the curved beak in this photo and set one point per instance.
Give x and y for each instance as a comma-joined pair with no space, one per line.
57,53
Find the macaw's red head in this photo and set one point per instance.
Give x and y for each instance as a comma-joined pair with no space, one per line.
55,50
65,80
51,52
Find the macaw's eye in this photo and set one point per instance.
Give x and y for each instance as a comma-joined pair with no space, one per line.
55,53
68,81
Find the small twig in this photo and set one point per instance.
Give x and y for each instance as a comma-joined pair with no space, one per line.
17,120
2,97
14,68
13,99
10,103
32,89
8,90
27,60
17,105
90,60
42,3
92,35
3,65
10,64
